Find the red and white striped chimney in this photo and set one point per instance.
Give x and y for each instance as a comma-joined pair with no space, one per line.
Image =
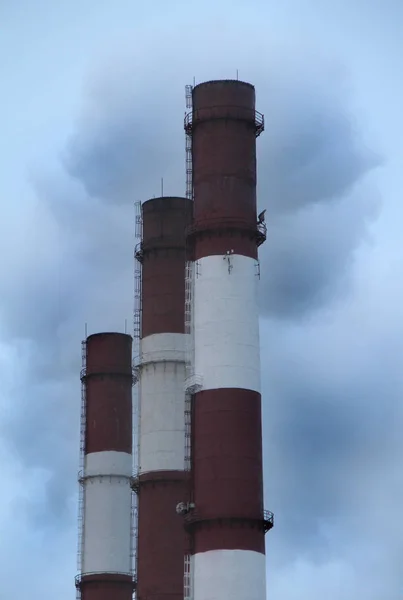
105,539
227,523
162,480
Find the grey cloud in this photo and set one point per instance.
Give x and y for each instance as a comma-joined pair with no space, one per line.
121,155
113,160
86,220
121,143
313,152
46,436
86,276
332,441
313,173
308,257
312,168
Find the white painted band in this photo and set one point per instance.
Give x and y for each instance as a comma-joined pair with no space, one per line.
107,514
160,347
162,417
229,575
108,463
226,323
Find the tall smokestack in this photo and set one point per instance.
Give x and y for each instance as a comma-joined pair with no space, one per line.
105,540
226,518
162,480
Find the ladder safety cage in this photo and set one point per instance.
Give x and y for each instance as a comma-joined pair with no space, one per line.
83,403
188,291
137,333
188,579
189,361
138,234
188,137
80,540
189,96
80,516
134,539
189,358
137,313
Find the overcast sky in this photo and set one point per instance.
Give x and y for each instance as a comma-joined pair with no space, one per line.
91,118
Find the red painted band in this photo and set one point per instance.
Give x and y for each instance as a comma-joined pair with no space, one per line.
108,393
163,256
161,541
104,586
163,476
227,476
224,170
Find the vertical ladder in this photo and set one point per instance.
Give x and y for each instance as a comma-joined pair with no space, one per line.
188,579
189,92
189,361
133,540
189,170
189,268
189,161
138,256
188,289
80,527
83,404
138,259
80,540
189,365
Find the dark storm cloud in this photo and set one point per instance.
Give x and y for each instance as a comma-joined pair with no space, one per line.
313,151
82,230
121,155
328,416
114,158
312,170
307,259
113,162
331,426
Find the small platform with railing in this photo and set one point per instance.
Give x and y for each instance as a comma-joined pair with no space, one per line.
264,521
211,113
112,576
109,371
255,231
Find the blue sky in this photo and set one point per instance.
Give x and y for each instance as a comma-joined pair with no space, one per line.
91,119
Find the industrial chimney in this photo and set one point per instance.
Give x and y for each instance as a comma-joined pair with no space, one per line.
105,550
225,519
162,479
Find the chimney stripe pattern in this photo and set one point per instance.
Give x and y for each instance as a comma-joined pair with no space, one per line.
162,483
106,568
227,520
